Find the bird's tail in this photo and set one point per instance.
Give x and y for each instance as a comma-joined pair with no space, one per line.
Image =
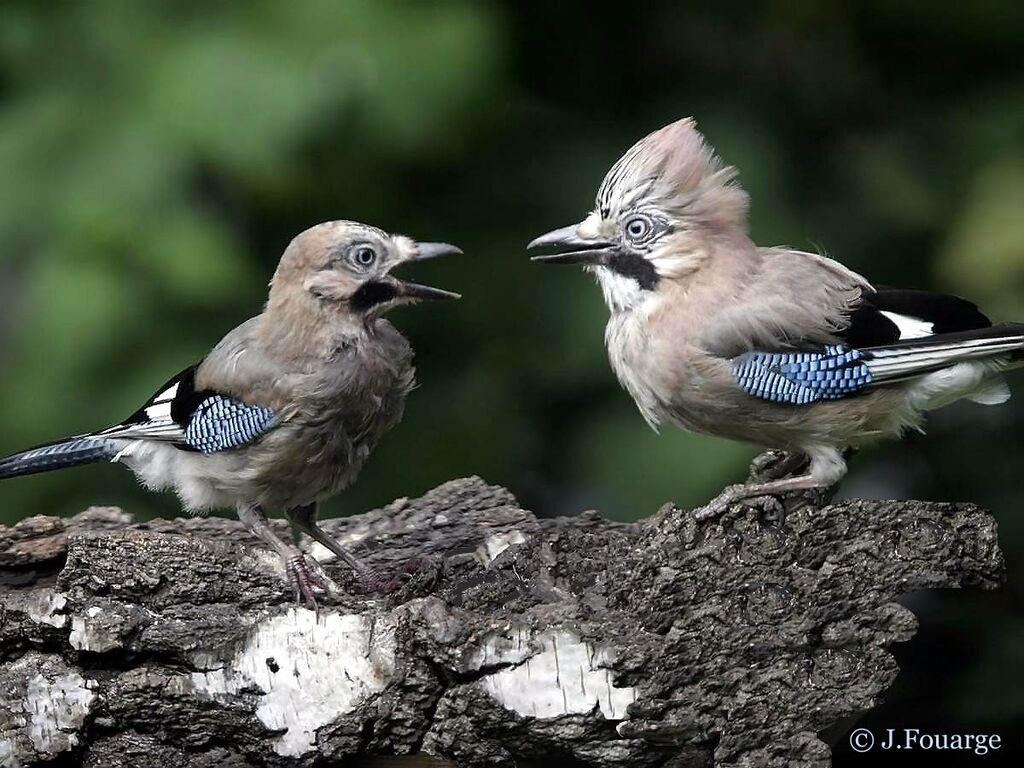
72,452
1003,344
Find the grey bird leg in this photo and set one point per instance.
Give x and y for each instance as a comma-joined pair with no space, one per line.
827,468
302,578
304,518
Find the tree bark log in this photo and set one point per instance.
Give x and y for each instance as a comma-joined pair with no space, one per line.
515,640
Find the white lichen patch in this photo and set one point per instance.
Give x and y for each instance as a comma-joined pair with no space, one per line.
311,671
90,632
43,606
496,544
8,755
568,676
265,561
512,647
320,553
57,708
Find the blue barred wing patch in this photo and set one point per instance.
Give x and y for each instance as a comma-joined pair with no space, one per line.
221,423
799,378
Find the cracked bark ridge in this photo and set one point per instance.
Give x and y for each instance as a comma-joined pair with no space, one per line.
516,641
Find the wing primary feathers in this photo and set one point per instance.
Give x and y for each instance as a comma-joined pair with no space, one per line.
920,356
164,415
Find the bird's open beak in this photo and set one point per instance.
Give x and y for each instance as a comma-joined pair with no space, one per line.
420,292
571,248
416,291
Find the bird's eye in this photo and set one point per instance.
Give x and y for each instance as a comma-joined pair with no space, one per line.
364,256
638,227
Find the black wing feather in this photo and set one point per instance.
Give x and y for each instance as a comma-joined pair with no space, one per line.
947,314
184,403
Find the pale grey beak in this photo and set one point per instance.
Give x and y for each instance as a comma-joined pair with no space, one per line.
416,291
424,292
573,249
433,250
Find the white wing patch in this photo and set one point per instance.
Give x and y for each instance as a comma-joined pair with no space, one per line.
160,425
911,327
160,408
162,430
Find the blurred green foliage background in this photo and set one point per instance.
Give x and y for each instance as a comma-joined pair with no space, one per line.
156,158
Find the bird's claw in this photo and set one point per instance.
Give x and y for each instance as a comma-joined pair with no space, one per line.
304,580
718,505
771,509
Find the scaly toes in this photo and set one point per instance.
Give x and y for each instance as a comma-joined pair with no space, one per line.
718,505
772,510
304,580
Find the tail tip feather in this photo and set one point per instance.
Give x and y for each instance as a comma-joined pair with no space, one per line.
60,455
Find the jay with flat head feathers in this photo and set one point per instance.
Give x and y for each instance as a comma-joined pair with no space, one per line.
770,346
286,408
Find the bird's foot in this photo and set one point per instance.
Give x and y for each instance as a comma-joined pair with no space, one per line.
720,504
771,509
305,579
387,583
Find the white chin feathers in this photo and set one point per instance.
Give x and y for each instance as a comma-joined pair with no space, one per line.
620,292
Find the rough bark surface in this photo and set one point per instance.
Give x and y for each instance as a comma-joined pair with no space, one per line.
517,640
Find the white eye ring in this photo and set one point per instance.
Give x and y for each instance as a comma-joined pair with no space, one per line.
638,227
364,256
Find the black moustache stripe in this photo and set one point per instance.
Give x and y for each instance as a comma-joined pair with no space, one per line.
370,294
634,266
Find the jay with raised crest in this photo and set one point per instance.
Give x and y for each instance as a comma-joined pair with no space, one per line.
287,407
769,346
